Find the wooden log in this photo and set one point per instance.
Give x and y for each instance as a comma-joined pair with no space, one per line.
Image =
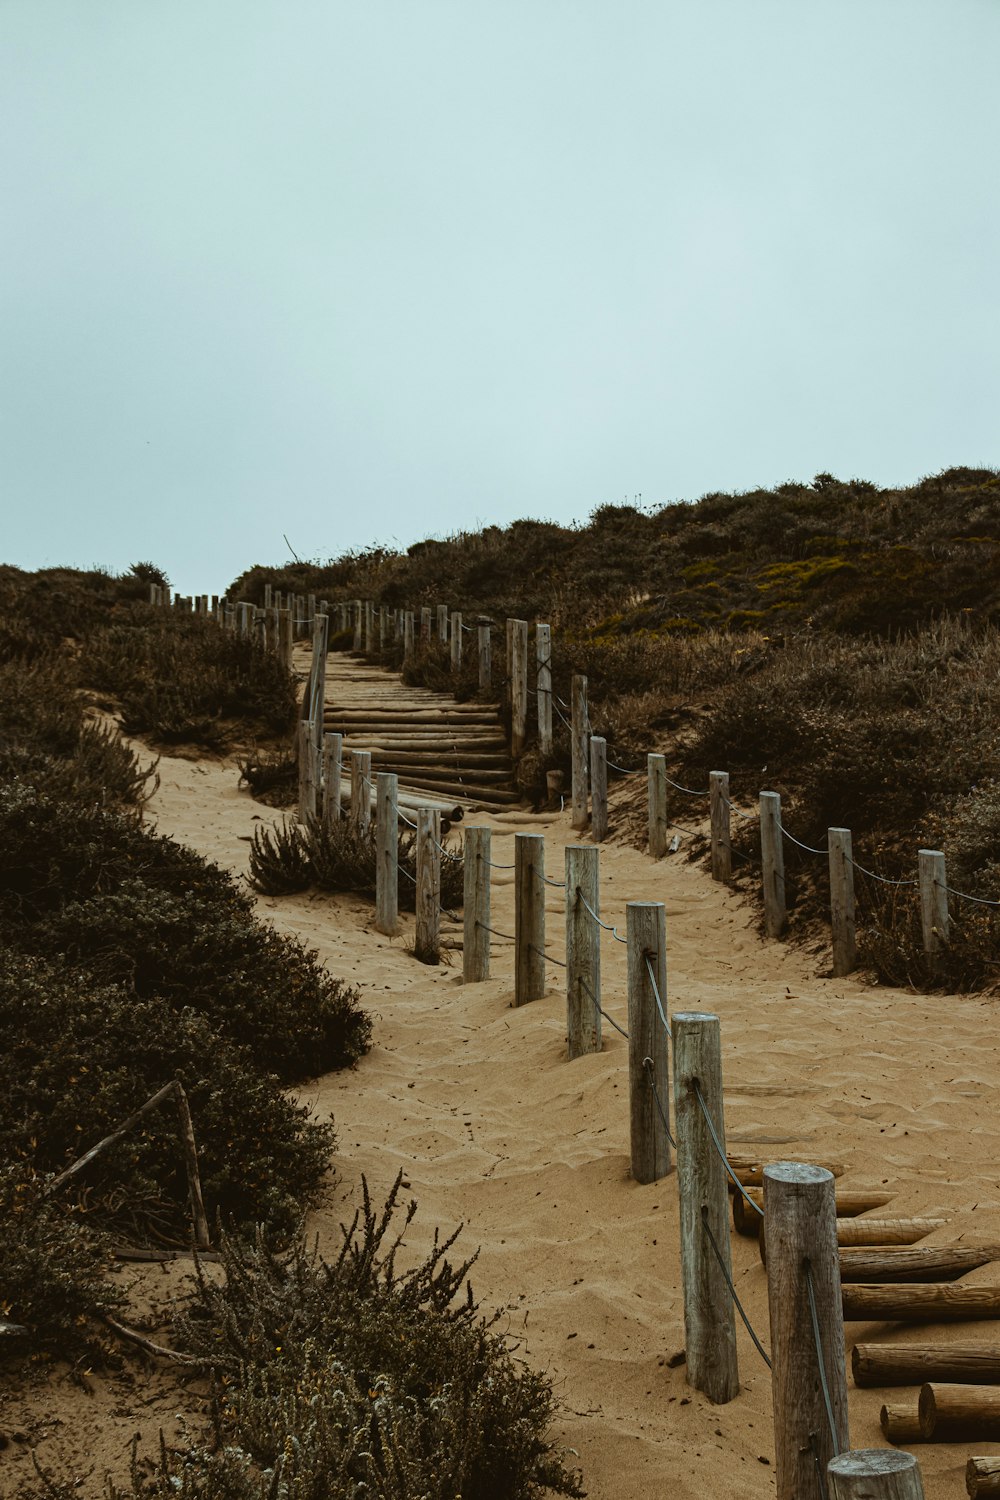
427,939
845,946
454,762
317,674
850,1201
361,789
543,668
656,776
579,736
425,624
453,774
915,1302
333,749
442,624
408,641
900,1422
645,933
598,788
721,843
959,1413
709,1317
456,642
518,686
982,1477
885,1231
386,854
583,951
772,858
749,1170
529,917
307,772
801,1228
916,1364
199,1219
508,663
933,899
476,908
874,1474
453,716
911,1262
485,659
383,628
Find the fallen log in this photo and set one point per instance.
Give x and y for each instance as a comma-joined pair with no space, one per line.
750,1169
900,1422
982,1477
916,1364
958,1413
850,1201
912,1262
930,1302
872,1233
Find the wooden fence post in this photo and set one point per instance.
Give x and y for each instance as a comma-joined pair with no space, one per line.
508,664
310,611
485,664
579,735
476,906
386,853
244,617
317,673
772,858
369,628
529,917
359,625
427,940
543,677
230,619
307,772
361,801
645,931
845,947
933,899
800,1228
442,624
407,636
333,745
268,595
583,950
456,642
656,774
722,850
286,636
425,624
518,633
709,1318
598,788
383,627
875,1474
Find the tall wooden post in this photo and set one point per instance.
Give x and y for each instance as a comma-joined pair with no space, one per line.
456,641
709,1319
476,908
543,671
583,950
425,625
933,899
332,751
407,636
645,931
286,636
317,673
383,627
598,788
427,940
518,685
386,853
307,772
361,800
357,611
509,662
369,628
876,1474
580,734
722,849
529,917
656,774
800,1229
772,859
485,664
845,946
442,624
310,610
268,590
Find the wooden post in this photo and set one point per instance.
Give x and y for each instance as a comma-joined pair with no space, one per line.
245,617
369,628
427,941
268,592
580,734
583,950
361,801
933,899
722,849
386,853
230,617
310,610
485,664
845,947
442,624
656,774
800,1225
317,673
875,1474
982,1477
425,625
543,669
383,627
509,662
518,632
333,745
709,1318
408,636
476,908
307,772
456,642
286,637
772,858
598,788
529,917
199,1219
359,625
645,931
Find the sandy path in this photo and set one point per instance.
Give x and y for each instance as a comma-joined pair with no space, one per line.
492,1126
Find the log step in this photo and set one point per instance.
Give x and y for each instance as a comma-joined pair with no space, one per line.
912,1262
914,1302
916,1364
850,1201
958,1413
982,1477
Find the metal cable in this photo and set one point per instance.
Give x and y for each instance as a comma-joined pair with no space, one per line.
542,954
732,1290
559,884
621,769
608,926
505,935
820,1360
404,819
647,1063
689,791
807,847
963,896
456,859
656,995
696,1086
404,871
494,866
599,1007
750,817
872,876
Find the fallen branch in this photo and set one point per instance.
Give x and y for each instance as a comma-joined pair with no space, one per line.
133,1336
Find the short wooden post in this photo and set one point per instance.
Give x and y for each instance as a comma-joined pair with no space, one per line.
772,858
286,636
361,801
310,610
933,899
154,592
485,664
268,591
317,673
442,624
583,950
648,1065
307,772
425,625
598,788
407,636
427,940
543,671
456,641
245,616
800,1227
722,849
359,625
845,946
369,628
518,685
383,627
709,1318
476,907
333,745
580,734
529,917
656,775
874,1474
230,617
386,853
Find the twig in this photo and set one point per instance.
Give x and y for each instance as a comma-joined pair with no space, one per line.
135,1337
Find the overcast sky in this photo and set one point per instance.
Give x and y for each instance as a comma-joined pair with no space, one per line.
371,271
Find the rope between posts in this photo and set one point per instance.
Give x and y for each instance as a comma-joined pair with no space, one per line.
732,1290
807,847
820,1359
882,880
599,1007
696,1086
647,1064
608,926
656,995
964,896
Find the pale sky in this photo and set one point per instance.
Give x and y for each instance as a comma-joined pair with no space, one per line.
372,271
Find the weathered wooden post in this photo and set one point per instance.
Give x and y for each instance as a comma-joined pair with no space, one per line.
772,859
583,950
841,860
286,636
933,899
722,849
442,624
485,664
543,674
307,772
317,674
245,611
800,1229
369,628
425,625
407,636
154,593
357,610
383,627
333,745
709,1319
508,662
648,1065
268,591
310,611
529,917
518,631
579,734
875,1474
361,802
427,940
386,853
982,1477
656,774
229,619
598,788
456,641
476,906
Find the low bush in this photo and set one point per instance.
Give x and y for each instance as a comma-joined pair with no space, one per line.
272,776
